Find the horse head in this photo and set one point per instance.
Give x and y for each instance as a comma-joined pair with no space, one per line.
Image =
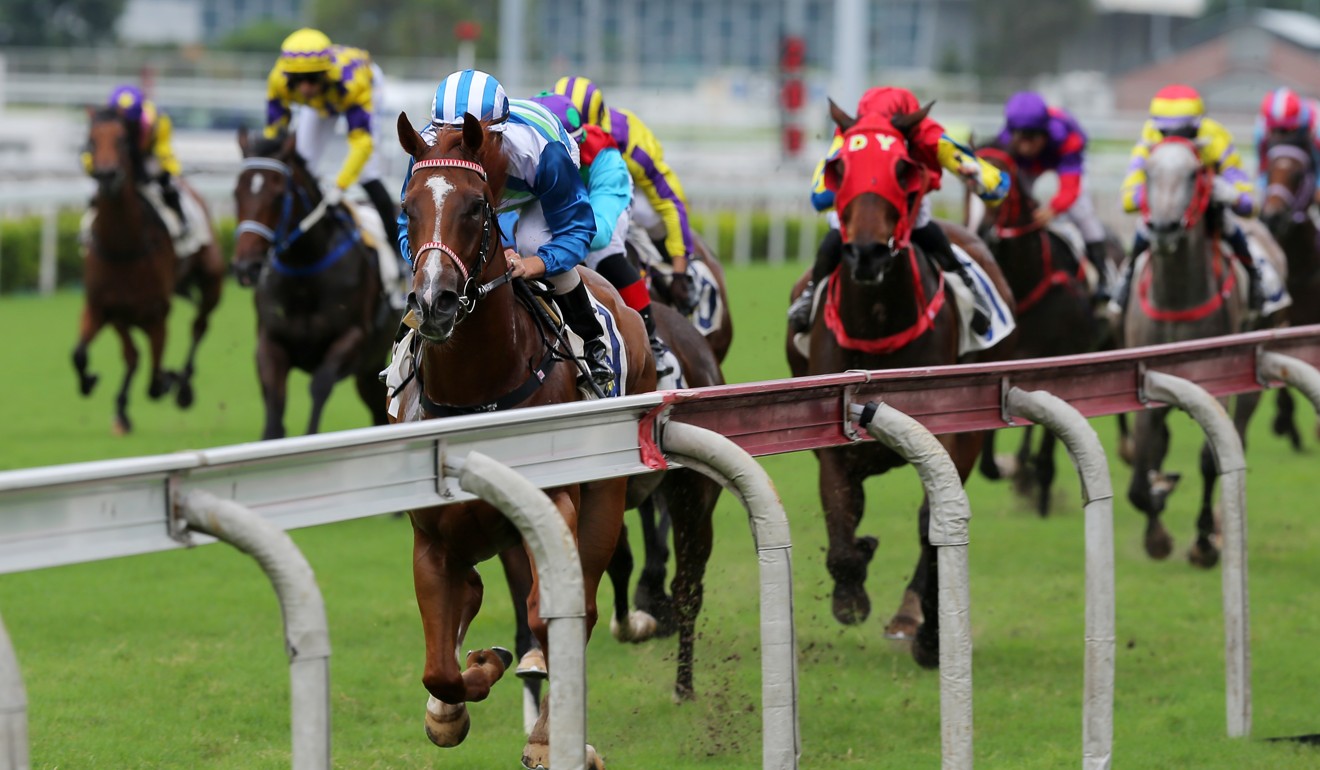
1178,188
264,200
109,143
877,186
1290,187
450,206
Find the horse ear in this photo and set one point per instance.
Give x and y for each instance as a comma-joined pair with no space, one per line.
411,141
473,133
841,119
290,144
905,123
243,142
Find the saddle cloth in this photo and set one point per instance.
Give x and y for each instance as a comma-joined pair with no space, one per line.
373,235
615,347
709,312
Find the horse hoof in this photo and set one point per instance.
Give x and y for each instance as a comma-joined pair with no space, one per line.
926,656
122,426
446,725
87,382
184,398
851,604
659,606
867,545
1159,544
594,762
901,628
639,628
1205,556
532,665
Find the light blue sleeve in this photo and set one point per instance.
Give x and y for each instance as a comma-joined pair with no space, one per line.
567,210
609,187
401,224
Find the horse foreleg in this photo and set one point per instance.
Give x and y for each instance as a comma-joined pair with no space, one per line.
373,394
1127,450
1285,423
273,372
1044,472
843,499
206,304
1022,470
88,327
624,625
122,424
650,595
989,464
161,380
531,660
332,368
1150,487
1204,552
693,500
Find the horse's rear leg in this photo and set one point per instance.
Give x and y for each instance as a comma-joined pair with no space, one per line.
989,464
650,595
531,660
1150,487
161,380
1044,467
1285,422
273,373
332,368
626,626
1204,552
88,327
693,502
843,499
209,297
373,394
1023,474
122,424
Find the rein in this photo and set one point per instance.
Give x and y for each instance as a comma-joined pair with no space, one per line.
285,233
1192,313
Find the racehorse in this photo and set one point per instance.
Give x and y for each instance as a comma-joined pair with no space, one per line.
481,349
1185,290
887,307
130,271
320,302
1053,308
660,280
1286,210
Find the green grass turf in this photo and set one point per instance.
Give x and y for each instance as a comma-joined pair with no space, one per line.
175,660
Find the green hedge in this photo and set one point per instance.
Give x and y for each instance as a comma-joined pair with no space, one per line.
726,221
20,250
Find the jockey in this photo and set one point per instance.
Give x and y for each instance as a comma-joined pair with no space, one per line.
319,82
556,223
149,137
1286,118
1177,110
663,202
610,190
1041,138
932,150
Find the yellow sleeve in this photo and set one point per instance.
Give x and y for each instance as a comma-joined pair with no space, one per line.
86,158
277,103
646,161
163,149
821,197
1134,182
358,108
1219,151
954,158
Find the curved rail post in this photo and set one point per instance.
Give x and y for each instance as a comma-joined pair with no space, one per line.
949,516
1098,503
563,597
306,633
13,708
724,461
1293,371
1232,464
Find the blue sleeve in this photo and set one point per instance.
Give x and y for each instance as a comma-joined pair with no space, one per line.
822,200
567,210
401,224
609,189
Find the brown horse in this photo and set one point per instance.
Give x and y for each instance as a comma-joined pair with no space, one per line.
1286,210
1053,308
480,347
720,333
320,304
881,290
130,271
1184,291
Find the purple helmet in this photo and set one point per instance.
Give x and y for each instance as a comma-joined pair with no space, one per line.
1027,111
128,101
563,108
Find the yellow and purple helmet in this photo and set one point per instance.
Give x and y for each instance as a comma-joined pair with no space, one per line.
587,98
306,51
1176,108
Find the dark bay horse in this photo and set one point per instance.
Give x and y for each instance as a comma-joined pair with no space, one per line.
131,271
320,304
1287,211
1053,309
895,311
477,347
1186,290
721,336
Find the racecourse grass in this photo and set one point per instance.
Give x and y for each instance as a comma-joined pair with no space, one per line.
175,660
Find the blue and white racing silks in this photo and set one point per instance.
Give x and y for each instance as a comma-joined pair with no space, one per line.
543,170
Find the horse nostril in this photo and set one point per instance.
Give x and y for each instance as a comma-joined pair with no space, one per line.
447,303
414,304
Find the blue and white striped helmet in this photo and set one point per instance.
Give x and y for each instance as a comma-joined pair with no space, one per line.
471,91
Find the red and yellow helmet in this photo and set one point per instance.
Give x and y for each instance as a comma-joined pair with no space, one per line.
1177,107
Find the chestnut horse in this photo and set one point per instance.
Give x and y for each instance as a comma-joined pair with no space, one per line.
320,304
881,291
479,346
1287,211
1053,309
130,271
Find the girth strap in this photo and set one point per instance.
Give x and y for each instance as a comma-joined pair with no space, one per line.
507,401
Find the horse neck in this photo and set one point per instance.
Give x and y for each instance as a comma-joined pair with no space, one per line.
120,226
1022,260
314,243
1185,278
872,311
488,355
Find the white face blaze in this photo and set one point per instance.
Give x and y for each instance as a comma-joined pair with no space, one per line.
258,181
440,189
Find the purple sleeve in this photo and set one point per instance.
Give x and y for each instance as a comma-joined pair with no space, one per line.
275,112
358,118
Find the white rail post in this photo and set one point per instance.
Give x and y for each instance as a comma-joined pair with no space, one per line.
1088,456
1293,371
724,461
563,594
13,708
949,517
306,633
48,268
1232,465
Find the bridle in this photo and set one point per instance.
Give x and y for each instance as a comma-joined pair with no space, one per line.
286,232
1011,208
1296,201
472,291
1201,192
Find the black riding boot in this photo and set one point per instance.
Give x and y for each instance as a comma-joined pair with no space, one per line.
1097,255
828,257
581,318
1139,246
384,205
935,243
1255,290
170,194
